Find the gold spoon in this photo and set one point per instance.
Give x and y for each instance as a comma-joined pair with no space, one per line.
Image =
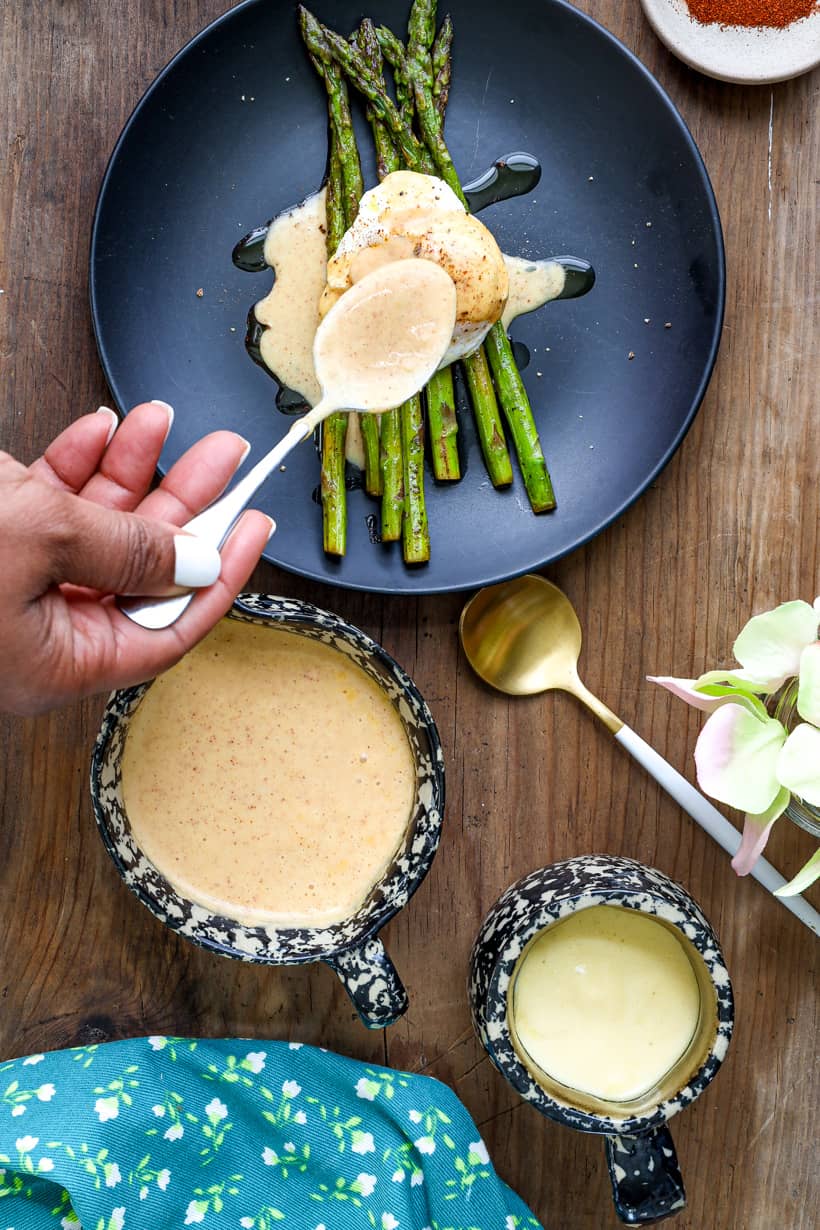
523,637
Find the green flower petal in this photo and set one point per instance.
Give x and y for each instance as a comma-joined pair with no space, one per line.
770,645
798,765
736,758
808,689
805,876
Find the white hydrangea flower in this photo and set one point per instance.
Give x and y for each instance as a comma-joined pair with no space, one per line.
291,1089
107,1108
45,1093
363,1143
425,1144
174,1132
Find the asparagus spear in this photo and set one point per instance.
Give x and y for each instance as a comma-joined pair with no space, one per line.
415,531
441,55
392,471
334,429
509,385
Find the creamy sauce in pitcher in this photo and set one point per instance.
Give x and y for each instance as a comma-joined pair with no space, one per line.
268,778
605,1002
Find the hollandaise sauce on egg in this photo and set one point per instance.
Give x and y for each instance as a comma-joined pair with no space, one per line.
406,215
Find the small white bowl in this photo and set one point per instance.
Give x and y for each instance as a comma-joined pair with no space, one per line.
745,55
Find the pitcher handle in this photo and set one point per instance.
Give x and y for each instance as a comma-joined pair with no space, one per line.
646,1180
370,979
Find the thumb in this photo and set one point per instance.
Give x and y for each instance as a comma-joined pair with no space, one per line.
123,553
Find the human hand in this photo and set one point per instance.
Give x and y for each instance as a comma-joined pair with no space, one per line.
81,525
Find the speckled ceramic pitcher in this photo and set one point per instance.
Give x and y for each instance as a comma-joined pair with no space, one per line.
646,1180
352,948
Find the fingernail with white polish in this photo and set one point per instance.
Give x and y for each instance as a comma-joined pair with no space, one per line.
245,451
113,425
197,563
155,401
272,530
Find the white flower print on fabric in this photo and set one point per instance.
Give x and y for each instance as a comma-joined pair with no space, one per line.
289,1146
159,1111
367,1089
117,1218
195,1211
216,1110
255,1061
290,1089
107,1108
389,1222
425,1144
246,1223
157,1044
300,1117
365,1184
143,1193
417,1178
415,1116
362,1142
25,1144
112,1174
18,1110
297,1046
32,1059
398,1176
270,1157
163,1179
174,1132
45,1164
45,1093
478,1153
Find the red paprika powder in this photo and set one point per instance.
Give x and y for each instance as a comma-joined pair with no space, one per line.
775,14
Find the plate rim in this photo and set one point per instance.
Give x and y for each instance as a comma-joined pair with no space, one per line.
425,589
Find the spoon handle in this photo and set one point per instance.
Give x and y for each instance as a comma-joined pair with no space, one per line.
214,525
710,819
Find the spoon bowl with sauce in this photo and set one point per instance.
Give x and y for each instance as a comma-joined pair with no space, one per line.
377,346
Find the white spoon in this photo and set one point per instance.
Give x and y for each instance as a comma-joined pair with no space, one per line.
377,346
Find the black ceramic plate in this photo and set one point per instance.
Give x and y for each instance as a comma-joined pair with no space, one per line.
233,131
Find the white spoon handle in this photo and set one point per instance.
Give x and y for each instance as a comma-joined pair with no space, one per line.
214,525
710,819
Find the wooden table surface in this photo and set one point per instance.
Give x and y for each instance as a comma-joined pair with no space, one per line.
729,528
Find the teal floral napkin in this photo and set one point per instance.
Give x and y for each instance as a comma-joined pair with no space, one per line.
164,1133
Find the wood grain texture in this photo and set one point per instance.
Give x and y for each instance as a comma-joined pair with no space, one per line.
729,528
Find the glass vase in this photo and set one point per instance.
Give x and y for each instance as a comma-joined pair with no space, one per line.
783,706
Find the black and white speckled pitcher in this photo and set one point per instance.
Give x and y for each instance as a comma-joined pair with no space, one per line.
352,948
646,1180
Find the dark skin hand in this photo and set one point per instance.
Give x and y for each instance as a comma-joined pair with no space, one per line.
82,524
